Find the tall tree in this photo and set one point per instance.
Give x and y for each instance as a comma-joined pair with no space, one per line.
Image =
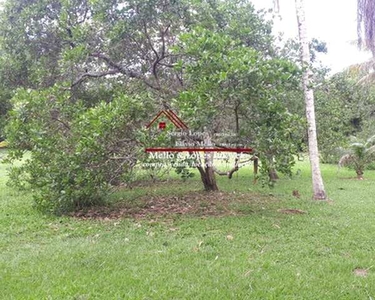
317,180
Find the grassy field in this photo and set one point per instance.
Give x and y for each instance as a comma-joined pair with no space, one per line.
257,252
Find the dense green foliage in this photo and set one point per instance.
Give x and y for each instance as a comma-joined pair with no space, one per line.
345,108
219,69
237,89
87,76
76,153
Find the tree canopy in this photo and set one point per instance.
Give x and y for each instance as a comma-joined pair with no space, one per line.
87,75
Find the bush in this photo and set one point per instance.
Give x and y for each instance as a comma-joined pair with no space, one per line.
77,154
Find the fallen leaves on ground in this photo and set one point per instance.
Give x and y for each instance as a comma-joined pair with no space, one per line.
193,203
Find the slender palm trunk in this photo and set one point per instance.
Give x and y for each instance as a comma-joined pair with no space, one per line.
317,181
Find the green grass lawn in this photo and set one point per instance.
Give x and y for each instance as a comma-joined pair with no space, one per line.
258,254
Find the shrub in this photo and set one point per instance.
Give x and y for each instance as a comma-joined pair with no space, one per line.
359,155
77,153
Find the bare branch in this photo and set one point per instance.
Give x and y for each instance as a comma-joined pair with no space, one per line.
149,40
115,65
123,70
83,76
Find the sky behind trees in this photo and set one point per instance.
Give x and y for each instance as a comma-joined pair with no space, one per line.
332,21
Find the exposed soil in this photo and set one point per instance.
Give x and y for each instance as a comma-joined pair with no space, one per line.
193,203
352,178
360,272
150,182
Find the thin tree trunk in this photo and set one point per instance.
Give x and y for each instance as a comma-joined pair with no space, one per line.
207,171
317,181
256,167
208,179
272,174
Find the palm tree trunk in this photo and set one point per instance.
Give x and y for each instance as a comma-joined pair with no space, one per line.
317,181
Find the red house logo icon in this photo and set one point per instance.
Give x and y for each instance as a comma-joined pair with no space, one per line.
171,116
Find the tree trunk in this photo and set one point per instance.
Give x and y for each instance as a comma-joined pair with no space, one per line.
359,174
272,174
208,179
256,167
317,181
207,171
